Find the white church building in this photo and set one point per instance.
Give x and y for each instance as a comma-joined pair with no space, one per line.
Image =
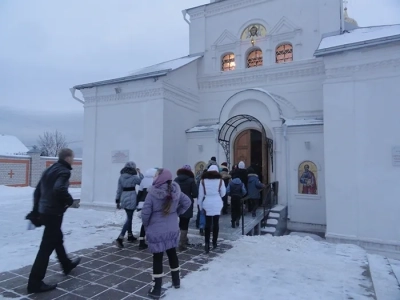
303,94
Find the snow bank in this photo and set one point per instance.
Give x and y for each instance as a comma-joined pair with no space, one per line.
83,228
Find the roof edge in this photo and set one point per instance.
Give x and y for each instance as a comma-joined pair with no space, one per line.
122,79
358,45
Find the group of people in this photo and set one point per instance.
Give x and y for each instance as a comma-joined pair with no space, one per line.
165,204
239,183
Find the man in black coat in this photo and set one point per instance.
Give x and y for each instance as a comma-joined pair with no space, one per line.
50,200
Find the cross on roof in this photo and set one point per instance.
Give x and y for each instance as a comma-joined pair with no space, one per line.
11,173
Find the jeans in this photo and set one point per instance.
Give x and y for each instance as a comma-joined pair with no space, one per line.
158,261
184,223
211,221
52,240
236,208
128,224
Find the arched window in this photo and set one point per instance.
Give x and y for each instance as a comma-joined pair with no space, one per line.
255,59
228,62
284,53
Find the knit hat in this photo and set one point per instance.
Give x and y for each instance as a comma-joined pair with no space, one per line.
213,158
187,167
164,175
130,164
213,168
225,164
241,165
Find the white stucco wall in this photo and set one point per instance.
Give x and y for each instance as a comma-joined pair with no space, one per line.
300,25
119,122
361,113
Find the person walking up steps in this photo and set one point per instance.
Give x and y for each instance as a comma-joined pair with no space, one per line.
236,190
185,179
127,199
51,200
163,204
254,187
211,191
146,182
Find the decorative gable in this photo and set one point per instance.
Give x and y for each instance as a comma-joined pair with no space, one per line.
284,26
226,38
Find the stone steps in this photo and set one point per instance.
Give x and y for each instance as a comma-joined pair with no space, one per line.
384,280
276,222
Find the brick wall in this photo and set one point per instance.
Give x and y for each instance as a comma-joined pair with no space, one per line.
26,170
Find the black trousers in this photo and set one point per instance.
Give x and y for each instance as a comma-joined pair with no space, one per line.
184,223
158,261
236,208
225,206
254,204
142,232
52,240
211,221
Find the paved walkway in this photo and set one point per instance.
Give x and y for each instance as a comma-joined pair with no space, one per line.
106,273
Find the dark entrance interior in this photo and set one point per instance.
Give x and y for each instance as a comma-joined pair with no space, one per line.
248,148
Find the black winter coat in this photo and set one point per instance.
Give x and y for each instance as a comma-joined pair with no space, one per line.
242,175
188,186
51,194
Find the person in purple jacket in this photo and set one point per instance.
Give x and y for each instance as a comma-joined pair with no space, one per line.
160,213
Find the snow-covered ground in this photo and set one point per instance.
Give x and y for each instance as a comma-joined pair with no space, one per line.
83,228
297,266
288,267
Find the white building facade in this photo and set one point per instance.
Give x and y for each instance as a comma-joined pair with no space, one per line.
259,85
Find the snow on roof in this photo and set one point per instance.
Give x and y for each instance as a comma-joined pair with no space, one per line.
203,128
365,36
165,66
160,69
11,145
303,122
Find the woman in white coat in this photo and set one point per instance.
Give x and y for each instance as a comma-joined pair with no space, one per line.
211,191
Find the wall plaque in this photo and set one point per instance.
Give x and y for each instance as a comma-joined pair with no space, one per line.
396,156
120,156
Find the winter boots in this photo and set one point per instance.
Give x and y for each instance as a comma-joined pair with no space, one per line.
156,291
142,244
131,238
183,240
74,263
119,242
176,279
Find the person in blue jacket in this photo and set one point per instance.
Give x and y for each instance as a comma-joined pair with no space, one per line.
254,187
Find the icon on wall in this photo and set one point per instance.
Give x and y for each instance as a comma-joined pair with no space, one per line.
254,31
199,169
308,176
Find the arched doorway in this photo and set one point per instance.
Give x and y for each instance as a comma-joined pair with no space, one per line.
248,148
226,138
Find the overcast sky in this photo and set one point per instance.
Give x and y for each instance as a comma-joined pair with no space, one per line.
48,46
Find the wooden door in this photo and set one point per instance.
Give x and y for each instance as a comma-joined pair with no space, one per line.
242,148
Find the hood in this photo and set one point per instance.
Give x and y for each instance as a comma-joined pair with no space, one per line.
184,173
128,170
127,175
252,177
225,174
236,181
162,191
150,173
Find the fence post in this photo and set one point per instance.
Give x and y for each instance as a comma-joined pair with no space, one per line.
35,167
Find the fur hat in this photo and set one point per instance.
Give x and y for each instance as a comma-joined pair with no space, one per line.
225,164
130,164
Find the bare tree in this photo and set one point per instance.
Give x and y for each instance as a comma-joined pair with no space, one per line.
50,143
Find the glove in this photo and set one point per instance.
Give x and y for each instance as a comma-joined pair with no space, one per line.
118,206
34,217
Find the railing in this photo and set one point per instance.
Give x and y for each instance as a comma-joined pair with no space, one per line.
269,201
